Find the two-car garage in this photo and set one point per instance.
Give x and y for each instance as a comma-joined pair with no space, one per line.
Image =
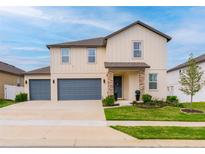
67,89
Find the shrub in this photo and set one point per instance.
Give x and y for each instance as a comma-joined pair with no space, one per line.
172,99
108,101
21,97
146,98
180,105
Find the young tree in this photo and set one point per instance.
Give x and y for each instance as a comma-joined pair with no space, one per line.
191,78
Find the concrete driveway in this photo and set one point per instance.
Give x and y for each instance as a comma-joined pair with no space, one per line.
45,110
67,124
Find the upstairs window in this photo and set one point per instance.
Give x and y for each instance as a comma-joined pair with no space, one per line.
152,81
91,55
65,55
137,49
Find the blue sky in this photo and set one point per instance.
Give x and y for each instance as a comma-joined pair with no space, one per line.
25,31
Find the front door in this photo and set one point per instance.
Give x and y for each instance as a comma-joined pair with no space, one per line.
118,86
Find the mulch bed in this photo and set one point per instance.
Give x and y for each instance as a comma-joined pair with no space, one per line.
191,111
145,106
111,105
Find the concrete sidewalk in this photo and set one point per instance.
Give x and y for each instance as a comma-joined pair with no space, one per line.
156,123
95,123
72,136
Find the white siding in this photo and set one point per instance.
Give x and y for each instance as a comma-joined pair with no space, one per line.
173,78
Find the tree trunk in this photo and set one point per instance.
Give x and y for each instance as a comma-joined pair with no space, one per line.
191,100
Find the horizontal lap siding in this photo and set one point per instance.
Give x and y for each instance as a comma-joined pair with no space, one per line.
39,89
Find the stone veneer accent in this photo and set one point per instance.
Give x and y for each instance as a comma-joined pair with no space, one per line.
110,88
142,81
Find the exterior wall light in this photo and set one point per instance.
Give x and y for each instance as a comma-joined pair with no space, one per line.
53,81
25,81
103,80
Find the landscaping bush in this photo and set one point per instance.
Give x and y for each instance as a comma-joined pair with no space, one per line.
22,97
172,99
146,98
108,101
180,105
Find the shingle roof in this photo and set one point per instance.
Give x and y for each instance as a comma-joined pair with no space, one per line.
198,59
10,69
126,65
94,42
144,25
39,71
101,41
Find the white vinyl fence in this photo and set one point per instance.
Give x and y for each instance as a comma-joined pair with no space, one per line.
10,92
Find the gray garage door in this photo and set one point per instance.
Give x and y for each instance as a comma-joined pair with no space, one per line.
39,89
79,89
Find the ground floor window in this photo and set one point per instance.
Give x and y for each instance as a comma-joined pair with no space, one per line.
152,81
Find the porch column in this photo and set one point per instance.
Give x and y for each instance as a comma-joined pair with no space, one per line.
110,87
142,81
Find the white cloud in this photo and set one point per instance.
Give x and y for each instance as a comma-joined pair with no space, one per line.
26,63
188,35
23,11
29,48
109,21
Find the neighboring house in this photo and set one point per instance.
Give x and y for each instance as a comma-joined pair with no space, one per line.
132,58
173,85
10,75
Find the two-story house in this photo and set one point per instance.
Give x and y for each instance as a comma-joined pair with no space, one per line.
132,58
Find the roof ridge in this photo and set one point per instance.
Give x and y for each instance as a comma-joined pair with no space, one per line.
11,65
103,42
184,64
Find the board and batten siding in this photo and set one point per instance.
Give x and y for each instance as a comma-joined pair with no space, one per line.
119,47
78,61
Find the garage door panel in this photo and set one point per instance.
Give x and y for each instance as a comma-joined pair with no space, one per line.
39,89
79,89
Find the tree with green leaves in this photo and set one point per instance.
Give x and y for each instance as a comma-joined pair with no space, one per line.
191,78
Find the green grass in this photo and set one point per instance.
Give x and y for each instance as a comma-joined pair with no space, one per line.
167,113
163,132
4,103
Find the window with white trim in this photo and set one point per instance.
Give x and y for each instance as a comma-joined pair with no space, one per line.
65,55
91,55
137,49
152,81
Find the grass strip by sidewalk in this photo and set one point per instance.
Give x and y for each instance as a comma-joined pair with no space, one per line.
4,102
163,132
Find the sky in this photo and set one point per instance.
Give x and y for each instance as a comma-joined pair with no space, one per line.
25,31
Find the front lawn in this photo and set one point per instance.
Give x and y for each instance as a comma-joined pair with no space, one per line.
4,103
163,132
167,113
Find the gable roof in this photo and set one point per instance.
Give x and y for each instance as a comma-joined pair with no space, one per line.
142,24
4,67
198,59
94,42
101,41
39,71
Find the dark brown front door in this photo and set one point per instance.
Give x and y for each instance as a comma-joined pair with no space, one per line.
118,86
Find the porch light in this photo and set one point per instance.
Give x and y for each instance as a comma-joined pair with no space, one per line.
25,81
103,80
53,81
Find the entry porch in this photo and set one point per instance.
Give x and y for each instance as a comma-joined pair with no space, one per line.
125,78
